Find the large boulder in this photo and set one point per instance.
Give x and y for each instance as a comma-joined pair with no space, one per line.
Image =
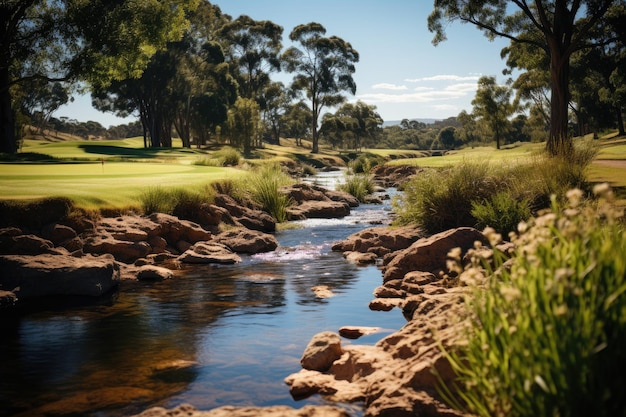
20,244
318,209
175,229
430,254
49,275
123,250
380,240
301,192
247,241
251,218
321,352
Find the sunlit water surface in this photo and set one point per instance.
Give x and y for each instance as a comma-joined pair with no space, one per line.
212,336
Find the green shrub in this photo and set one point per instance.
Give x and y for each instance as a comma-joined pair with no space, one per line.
500,211
442,199
358,185
156,200
226,156
263,185
547,336
364,163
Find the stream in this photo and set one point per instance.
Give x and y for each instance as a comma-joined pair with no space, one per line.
212,336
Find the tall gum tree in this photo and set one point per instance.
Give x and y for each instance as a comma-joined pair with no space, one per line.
94,42
323,67
559,28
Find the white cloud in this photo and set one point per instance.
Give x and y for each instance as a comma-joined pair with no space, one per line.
462,88
444,77
387,86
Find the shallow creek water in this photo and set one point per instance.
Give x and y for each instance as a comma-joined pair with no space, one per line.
212,336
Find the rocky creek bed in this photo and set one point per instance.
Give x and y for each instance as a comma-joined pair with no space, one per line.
397,376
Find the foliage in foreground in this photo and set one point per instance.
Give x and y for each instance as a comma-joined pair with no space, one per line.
472,193
547,336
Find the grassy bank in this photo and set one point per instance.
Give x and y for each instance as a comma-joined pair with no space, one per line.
114,173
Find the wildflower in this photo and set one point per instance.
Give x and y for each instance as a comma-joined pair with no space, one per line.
602,190
574,197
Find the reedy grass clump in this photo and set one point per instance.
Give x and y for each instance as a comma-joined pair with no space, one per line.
441,199
364,163
263,185
500,211
358,185
547,336
226,156
177,201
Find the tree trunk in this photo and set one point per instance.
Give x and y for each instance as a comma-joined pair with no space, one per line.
7,121
620,122
559,142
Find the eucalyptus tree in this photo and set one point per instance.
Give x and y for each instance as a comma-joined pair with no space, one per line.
296,122
244,124
187,85
253,51
94,42
353,124
559,28
493,104
323,68
275,101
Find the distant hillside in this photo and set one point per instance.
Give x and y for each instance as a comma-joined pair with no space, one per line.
397,122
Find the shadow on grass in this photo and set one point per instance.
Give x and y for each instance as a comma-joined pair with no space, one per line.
120,151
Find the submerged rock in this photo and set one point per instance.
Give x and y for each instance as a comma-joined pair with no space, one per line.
229,411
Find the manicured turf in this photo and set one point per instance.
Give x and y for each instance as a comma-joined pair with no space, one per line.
113,184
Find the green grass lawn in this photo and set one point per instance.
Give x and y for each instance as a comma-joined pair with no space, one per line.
483,153
112,184
75,169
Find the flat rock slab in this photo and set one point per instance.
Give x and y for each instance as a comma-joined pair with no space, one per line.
48,275
209,253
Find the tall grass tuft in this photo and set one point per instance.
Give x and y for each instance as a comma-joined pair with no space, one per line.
358,185
468,194
226,156
263,185
156,200
181,202
547,336
500,211
442,199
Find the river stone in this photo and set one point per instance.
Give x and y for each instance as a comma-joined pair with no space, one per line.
153,273
321,352
247,241
209,253
51,275
325,209
430,254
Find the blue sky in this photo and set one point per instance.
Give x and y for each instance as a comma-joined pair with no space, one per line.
400,71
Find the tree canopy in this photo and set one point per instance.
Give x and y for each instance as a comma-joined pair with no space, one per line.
559,28
95,42
323,68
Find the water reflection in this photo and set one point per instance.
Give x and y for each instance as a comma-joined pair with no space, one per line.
214,335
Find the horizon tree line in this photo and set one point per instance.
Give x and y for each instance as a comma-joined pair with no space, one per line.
183,66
